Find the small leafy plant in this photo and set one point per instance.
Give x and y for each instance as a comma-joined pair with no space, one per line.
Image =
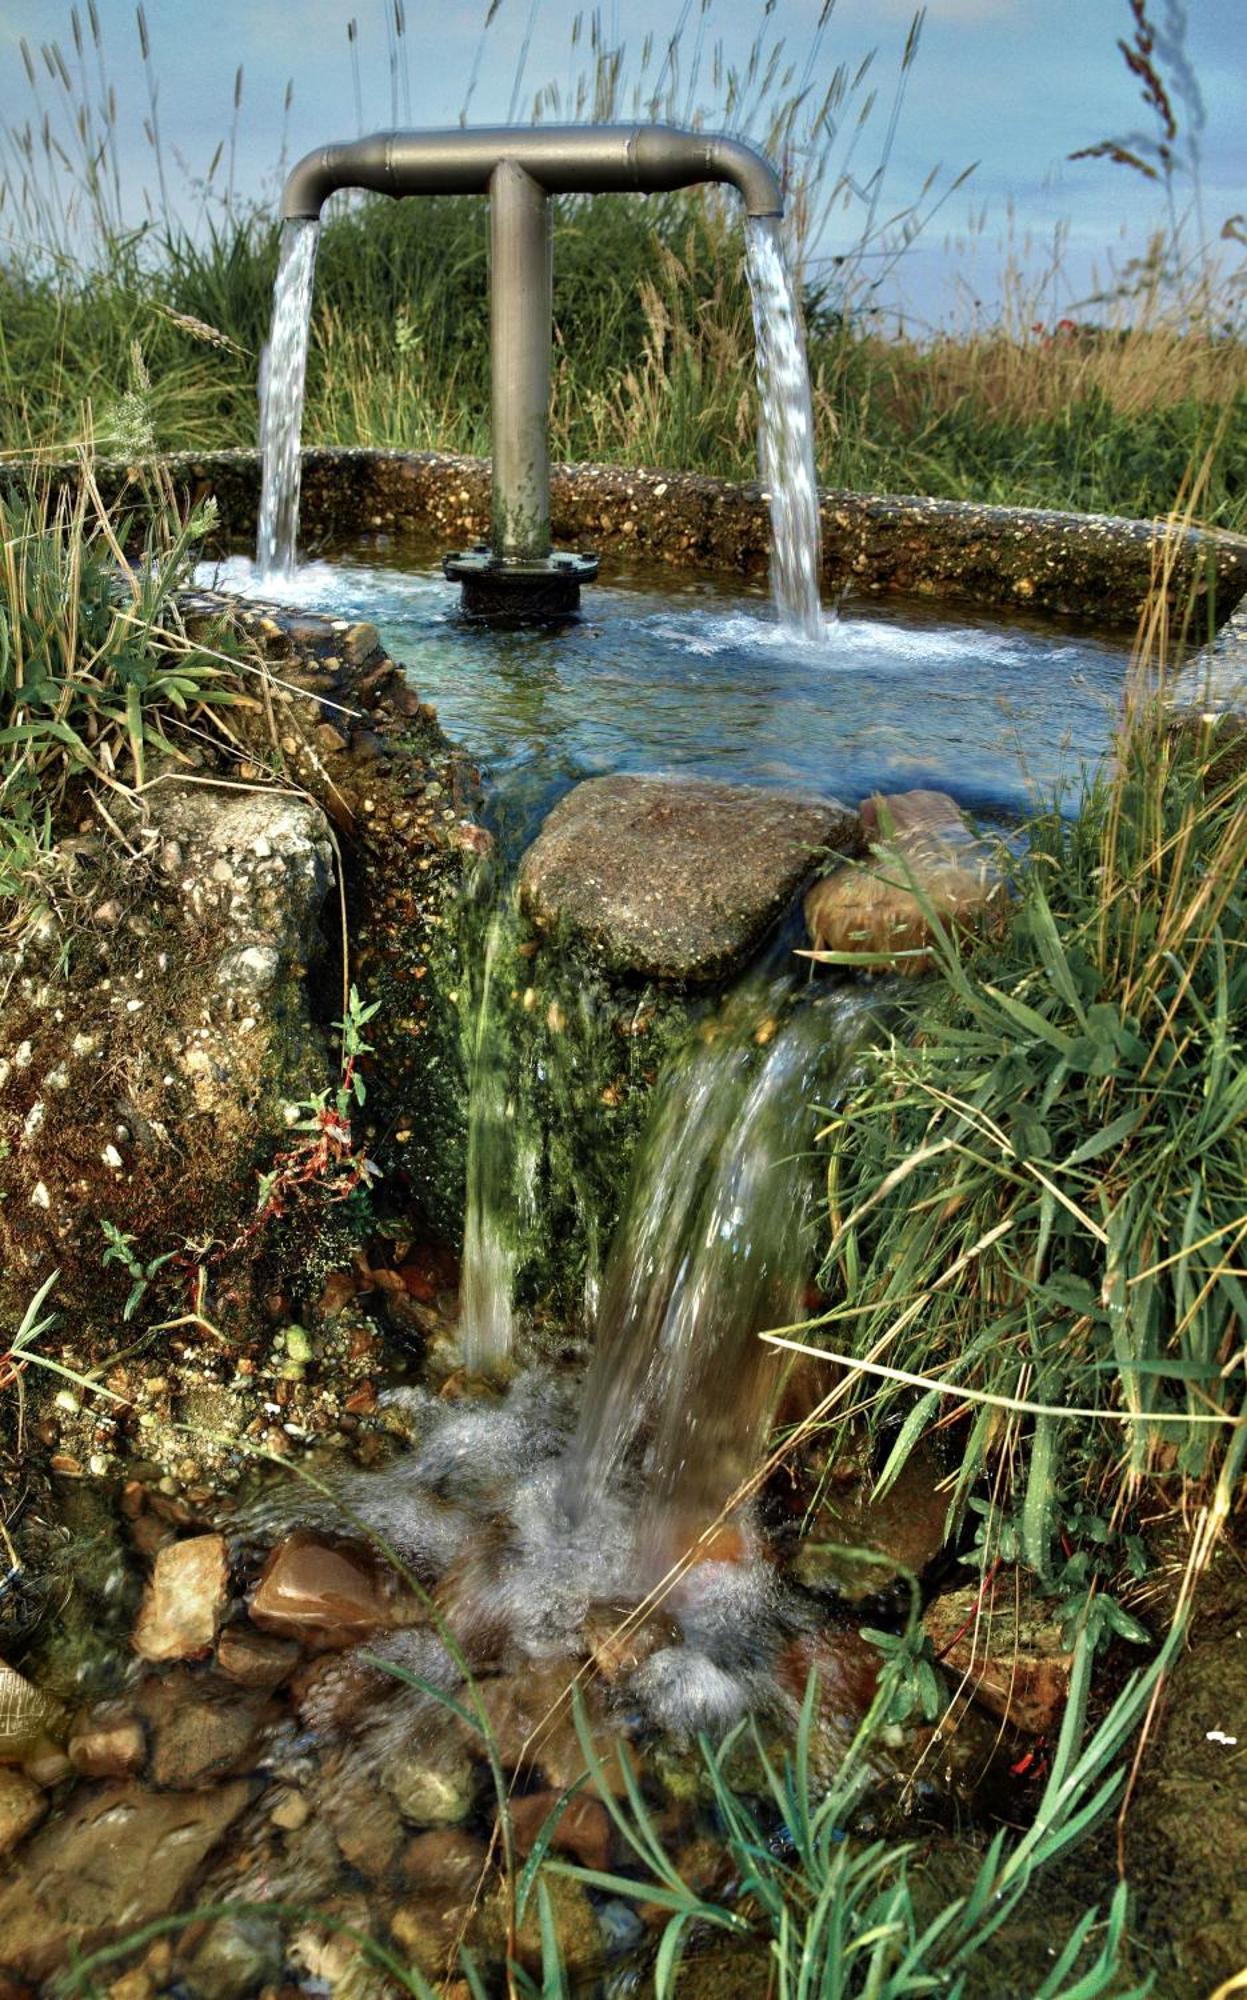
119,1249
326,1160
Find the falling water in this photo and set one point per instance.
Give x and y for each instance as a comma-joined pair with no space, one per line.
710,1250
281,400
488,1276
786,431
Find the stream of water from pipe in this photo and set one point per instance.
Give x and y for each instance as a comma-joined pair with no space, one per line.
283,379
496,1181
785,429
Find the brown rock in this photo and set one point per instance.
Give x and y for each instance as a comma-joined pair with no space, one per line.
182,1605
363,1820
339,1289
576,1926
338,1691
676,878
201,1728
290,1811
922,852
327,1596
616,1653
1008,1649
444,1863
428,1931
533,1729
848,1674
22,1806
108,1742
46,1764
255,1659
583,1826
137,1984
905,1527
113,1861
432,1785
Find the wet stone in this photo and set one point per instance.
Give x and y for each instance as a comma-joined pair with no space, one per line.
444,1863
202,1728
255,1659
22,1806
583,1829
676,878
113,1861
431,1787
182,1605
904,1528
338,1692
108,1742
533,1729
239,1957
427,1931
363,1820
1012,1655
924,859
581,1946
325,1596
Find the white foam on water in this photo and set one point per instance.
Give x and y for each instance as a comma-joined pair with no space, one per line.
737,1614
859,644
685,1693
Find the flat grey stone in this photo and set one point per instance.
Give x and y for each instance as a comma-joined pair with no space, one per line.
675,877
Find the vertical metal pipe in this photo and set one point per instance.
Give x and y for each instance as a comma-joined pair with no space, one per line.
521,312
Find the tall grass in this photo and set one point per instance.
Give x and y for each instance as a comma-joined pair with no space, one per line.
653,342
1037,1195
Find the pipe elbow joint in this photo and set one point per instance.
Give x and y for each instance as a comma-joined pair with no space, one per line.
754,176
365,163
309,185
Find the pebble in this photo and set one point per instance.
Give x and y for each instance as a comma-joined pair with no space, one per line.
182,1605
109,1743
290,1812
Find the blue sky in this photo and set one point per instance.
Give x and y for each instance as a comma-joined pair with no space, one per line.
1012,85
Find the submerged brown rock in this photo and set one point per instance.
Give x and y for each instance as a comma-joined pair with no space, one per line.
675,877
119,1857
927,869
327,1596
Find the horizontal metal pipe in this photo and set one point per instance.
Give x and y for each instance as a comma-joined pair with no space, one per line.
562,159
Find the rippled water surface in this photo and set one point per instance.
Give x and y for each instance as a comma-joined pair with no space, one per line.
682,675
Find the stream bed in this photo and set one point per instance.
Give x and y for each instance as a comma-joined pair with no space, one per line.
306,1697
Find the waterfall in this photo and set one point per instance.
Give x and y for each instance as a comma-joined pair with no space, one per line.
281,400
498,1184
711,1249
786,430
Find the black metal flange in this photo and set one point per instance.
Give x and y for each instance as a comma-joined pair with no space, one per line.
519,590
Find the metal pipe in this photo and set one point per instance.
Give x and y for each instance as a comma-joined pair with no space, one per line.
521,315
520,167
562,159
